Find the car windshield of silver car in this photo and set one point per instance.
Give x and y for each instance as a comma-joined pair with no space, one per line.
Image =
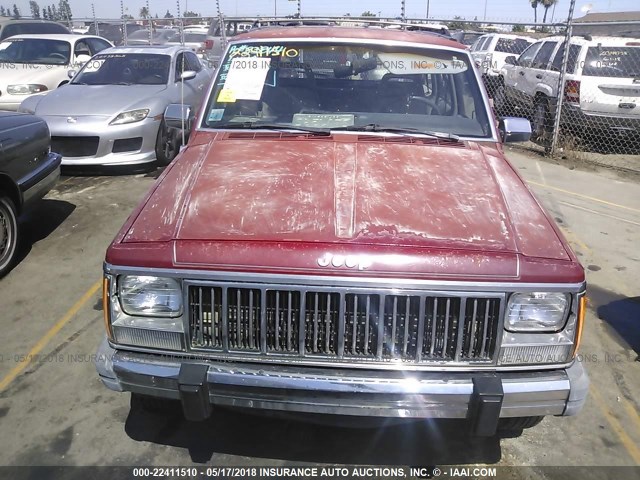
125,69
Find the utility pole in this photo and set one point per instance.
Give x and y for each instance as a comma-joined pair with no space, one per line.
428,8
275,8
485,10
124,24
95,22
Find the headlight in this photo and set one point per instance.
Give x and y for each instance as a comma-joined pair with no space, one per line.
150,296
130,117
537,312
26,89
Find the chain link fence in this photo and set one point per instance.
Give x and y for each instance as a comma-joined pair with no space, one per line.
581,93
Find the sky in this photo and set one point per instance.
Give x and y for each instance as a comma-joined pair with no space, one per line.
496,10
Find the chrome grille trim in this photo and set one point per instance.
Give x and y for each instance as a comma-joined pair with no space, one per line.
337,325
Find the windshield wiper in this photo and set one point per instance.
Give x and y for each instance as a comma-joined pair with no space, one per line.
275,126
375,127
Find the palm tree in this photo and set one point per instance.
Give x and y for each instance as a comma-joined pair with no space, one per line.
546,4
144,12
534,5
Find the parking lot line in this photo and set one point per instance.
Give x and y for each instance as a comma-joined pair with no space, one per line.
587,197
46,338
599,213
626,440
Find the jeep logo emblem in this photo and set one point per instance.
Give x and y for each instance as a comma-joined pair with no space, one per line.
349,261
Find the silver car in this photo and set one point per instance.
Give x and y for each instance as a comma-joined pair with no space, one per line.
111,113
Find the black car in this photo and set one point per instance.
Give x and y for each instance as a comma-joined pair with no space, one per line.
28,170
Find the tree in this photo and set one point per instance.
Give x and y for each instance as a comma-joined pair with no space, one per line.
144,12
368,14
534,5
168,14
3,12
190,14
35,9
64,10
49,13
55,15
518,29
546,4
16,12
458,24
126,16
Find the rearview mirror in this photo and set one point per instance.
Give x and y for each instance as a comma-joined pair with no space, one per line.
514,129
177,114
188,75
511,60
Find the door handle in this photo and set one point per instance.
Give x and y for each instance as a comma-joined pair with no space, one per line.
521,73
539,76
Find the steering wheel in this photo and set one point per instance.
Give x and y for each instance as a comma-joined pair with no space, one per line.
57,55
435,109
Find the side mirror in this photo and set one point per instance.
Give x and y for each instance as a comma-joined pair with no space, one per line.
188,75
511,60
514,129
71,73
176,115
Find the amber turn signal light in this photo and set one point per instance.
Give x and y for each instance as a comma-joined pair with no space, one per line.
582,311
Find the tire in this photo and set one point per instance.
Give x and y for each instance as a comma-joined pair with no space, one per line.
166,150
518,423
500,101
154,404
541,127
9,235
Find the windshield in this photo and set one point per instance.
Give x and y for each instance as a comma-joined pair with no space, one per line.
344,86
514,46
617,62
125,69
35,51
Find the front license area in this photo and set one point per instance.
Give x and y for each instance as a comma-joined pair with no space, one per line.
330,85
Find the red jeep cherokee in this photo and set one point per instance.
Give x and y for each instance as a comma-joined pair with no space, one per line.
343,235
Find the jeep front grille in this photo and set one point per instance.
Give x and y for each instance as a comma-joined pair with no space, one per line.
343,325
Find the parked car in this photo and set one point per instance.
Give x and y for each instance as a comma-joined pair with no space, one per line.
10,27
159,37
344,246
193,40
111,112
113,31
490,52
28,170
466,37
214,44
36,63
601,87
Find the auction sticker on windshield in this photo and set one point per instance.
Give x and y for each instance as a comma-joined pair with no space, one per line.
407,64
245,79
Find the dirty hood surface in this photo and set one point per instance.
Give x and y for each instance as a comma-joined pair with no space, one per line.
323,190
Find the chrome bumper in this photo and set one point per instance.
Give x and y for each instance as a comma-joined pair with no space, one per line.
336,391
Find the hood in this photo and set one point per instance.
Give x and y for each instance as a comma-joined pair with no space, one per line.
105,100
329,191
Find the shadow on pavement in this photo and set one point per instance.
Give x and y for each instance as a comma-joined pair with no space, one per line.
41,221
619,312
235,432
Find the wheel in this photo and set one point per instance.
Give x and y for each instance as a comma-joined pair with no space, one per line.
517,423
500,100
541,123
167,146
8,234
154,404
